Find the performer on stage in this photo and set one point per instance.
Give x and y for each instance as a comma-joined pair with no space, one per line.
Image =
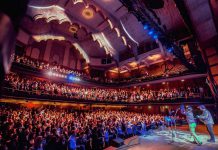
191,122
207,119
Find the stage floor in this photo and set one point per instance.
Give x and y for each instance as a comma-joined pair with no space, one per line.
162,140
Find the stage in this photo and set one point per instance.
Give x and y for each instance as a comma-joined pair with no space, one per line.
162,140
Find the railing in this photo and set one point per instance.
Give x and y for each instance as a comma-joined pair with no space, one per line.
25,68
45,96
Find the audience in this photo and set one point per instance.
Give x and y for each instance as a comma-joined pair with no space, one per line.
52,128
153,75
47,66
45,87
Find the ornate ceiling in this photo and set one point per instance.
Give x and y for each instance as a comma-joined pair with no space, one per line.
99,27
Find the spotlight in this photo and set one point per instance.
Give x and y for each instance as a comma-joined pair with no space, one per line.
71,77
146,27
170,49
151,32
50,73
155,36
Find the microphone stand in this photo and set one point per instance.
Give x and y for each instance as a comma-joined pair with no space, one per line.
174,133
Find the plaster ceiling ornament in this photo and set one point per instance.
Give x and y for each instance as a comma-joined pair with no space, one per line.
103,41
50,13
39,38
82,52
88,13
77,1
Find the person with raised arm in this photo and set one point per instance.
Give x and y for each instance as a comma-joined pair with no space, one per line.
188,112
207,119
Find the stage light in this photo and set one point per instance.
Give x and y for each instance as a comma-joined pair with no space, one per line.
50,73
151,32
149,107
170,49
155,36
70,77
182,80
146,27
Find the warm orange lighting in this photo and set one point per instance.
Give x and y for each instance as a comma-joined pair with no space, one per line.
115,70
123,71
117,31
154,57
77,1
124,40
88,13
73,29
133,64
110,23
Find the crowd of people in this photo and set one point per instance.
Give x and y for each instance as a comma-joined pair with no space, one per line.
47,66
46,87
51,128
41,65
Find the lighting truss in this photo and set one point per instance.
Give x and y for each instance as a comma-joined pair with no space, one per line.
139,10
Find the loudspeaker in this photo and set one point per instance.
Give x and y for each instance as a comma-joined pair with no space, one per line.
117,142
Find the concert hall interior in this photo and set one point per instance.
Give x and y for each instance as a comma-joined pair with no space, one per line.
109,74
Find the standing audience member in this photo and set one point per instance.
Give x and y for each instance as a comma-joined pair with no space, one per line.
207,119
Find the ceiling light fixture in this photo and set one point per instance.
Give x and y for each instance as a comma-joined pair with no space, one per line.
88,13
118,31
73,29
124,40
110,23
39,38
128,33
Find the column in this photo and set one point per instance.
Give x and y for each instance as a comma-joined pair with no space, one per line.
47,51
66,55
